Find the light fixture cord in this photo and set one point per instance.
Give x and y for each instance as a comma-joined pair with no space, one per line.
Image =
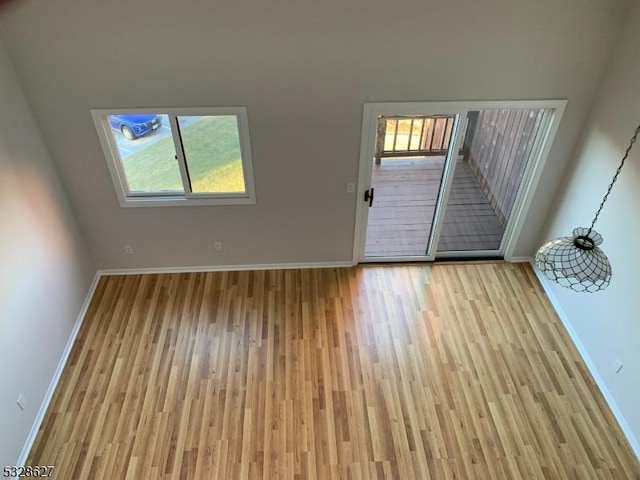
615,177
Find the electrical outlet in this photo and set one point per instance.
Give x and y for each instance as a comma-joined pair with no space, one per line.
351,187
617,365
128,249
217,246
21,402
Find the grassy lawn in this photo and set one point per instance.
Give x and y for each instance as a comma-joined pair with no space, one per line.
212,149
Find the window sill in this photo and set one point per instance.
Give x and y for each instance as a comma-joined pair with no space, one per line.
183,202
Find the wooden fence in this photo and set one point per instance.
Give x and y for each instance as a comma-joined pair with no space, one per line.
498,144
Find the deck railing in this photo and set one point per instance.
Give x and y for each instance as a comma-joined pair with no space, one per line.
413,136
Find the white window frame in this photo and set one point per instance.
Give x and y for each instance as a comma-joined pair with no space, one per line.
188,198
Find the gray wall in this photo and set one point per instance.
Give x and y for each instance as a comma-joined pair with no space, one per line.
304,70
608,323
44,267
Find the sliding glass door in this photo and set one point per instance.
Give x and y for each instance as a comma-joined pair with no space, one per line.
441,180
498,147
412,155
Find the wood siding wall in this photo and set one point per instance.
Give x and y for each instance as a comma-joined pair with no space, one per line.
497,146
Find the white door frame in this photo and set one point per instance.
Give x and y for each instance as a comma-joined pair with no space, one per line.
531,177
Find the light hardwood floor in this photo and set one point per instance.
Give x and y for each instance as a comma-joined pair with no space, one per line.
397,372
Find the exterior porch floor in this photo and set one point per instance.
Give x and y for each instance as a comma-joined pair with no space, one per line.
401,217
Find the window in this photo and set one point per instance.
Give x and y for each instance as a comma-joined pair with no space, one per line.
178,156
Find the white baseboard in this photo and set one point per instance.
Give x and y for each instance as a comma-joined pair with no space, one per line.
58,372
626,429
635,445
85,305
519,259
225,268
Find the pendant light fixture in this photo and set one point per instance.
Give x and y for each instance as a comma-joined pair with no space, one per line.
577,262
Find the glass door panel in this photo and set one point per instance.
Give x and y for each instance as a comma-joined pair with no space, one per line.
449,179
410,161
496,151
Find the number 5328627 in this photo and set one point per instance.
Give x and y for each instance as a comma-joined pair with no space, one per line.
28,471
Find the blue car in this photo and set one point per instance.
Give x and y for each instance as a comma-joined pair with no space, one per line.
134,126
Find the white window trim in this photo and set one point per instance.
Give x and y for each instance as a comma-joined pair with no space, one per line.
157,199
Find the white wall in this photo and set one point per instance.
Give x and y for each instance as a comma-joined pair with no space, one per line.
304,70
608,323
44,268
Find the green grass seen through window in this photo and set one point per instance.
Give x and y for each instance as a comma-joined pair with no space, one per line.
212,150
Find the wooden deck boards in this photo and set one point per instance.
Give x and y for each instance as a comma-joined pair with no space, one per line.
405,197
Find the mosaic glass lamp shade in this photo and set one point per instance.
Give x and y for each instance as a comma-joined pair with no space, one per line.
578,262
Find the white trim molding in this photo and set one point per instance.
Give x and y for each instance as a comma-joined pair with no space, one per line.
26,449
626,429
225,268
633,441
518,259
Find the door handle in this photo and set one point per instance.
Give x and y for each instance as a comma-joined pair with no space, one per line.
368,196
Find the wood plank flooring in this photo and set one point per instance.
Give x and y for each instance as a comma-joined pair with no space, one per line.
397,372
406,192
